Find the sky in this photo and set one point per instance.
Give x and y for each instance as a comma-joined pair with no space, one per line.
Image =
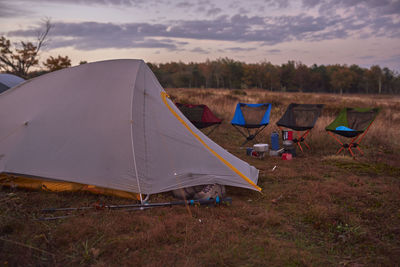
318,32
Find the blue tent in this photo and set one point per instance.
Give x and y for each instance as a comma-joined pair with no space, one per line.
8,80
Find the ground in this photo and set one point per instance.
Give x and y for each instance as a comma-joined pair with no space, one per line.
317,209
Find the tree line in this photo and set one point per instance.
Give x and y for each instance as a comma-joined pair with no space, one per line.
287,77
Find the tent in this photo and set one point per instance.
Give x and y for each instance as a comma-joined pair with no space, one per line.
8,80
110,124
200,116
251,116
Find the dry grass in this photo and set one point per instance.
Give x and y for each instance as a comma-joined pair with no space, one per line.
318,209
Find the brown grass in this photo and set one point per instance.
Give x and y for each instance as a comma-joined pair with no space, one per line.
318,209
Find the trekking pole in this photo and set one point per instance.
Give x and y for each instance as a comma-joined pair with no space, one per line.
216,201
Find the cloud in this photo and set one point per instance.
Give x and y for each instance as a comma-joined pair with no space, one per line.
267,30
214,11
11,11
274,51
94,2
184,5
240,49
199,50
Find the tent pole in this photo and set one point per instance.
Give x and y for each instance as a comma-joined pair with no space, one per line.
133,147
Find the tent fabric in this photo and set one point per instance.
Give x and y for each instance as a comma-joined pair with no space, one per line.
300,117
251,115
8,80
355,119
58,186
199,115
110,124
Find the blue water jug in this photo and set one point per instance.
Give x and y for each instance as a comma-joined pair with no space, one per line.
275,141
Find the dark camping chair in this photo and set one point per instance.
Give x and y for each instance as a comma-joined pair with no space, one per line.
200,116
251,116
301,118
352,123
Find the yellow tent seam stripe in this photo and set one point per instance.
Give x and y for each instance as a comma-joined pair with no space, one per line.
164,96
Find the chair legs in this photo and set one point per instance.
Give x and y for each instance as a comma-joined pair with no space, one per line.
250,136
354,143
300,138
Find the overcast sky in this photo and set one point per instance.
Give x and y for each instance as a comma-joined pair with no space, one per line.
311,31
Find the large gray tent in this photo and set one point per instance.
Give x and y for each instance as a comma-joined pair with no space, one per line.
110,124
9,80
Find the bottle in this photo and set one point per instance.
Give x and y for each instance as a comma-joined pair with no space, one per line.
275,141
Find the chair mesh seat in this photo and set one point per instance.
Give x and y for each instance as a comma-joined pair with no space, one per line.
356,120
352,123
251,116
199,115
300,117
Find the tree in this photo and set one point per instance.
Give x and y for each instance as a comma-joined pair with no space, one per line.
23,56
375,78
302,77
58,63
342,79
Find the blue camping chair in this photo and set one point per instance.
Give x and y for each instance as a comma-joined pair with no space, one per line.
252,117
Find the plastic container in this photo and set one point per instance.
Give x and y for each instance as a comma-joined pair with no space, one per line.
286,156
274,141
249,150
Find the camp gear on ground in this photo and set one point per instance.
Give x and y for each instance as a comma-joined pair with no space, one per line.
261,150
287,135
200,192
8,81
252,117
110,124
300,118
352,123
248,151
274,153
286,156
289,147
200,116
133,207
274,141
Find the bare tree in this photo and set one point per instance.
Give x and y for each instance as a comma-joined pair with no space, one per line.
22,57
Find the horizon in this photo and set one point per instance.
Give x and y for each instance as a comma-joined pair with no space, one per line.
322,32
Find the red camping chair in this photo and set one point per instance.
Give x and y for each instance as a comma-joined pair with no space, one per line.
200,116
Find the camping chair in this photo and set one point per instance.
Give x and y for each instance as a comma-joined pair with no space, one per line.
200,116
352,123
301,118
252,117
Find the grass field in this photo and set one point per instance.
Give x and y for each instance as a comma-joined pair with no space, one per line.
318,209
